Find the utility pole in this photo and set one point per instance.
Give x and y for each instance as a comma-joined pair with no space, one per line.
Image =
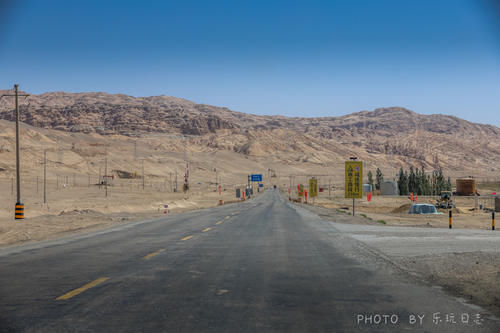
216,180
143,174
106,169
19,208
249,185
171,187
175,180
135,149
45,176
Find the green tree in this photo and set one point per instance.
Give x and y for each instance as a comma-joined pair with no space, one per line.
418,182
403,182
428,188
412,187
370,179
440,182
379,178
423,183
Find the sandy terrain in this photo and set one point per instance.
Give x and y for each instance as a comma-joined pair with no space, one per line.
394,211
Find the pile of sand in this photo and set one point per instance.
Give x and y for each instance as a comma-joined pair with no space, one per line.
402,209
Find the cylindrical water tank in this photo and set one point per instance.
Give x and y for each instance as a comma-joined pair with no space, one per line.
466,186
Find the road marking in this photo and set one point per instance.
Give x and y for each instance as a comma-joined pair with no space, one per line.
82,289
218,222
228,217
152,254
222,291
206,229
187,237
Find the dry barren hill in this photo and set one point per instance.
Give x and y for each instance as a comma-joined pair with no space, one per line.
383,137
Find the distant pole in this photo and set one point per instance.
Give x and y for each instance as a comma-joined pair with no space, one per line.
106,169
37,184
45,176
143,174
175,180
216,179
135,149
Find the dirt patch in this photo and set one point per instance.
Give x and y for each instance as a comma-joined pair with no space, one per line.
473,275
80,212
402,209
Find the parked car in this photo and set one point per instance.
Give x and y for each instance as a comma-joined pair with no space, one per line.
423,209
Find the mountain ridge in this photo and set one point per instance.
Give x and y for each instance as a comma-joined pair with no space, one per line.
396,133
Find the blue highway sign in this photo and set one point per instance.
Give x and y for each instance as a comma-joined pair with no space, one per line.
256,178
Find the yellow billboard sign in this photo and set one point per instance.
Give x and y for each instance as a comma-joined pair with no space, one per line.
354,179
313,187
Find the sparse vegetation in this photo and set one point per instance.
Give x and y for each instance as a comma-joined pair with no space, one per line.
381,221
370,179
379,178
416,181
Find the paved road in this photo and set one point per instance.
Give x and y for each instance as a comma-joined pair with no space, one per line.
260,266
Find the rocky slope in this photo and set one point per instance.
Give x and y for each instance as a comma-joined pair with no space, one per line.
384,136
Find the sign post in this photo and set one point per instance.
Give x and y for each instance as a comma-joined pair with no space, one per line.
353,180
313,188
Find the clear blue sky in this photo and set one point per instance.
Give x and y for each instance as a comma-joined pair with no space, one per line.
297,58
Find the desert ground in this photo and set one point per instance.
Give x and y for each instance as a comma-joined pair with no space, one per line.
393,210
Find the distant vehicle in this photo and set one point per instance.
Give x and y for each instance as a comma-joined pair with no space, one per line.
423,209
445,201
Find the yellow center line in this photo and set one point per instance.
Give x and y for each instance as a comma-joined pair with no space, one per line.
82,289
187,237
152,254
218,222
206,229
228,217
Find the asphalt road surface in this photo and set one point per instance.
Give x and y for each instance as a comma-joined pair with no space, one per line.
260,266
